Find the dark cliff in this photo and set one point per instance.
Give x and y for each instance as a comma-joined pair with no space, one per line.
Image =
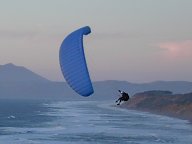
162,102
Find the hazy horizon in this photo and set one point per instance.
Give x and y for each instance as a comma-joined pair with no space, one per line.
135,41
23,69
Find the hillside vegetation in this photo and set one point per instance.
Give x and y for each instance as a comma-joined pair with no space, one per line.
162,102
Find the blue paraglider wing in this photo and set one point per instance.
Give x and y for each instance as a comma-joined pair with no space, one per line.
73,63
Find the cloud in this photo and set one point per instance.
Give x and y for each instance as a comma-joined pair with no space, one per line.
176,49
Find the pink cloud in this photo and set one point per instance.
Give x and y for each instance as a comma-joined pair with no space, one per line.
175,49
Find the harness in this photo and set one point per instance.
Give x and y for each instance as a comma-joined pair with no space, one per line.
125,96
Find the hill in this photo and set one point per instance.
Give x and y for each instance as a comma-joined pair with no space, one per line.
162,102
12,73
20,82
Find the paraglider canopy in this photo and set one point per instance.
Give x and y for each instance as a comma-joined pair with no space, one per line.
73,63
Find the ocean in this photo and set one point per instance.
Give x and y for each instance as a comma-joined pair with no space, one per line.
86,122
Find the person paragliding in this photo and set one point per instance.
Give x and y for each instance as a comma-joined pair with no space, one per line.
124,97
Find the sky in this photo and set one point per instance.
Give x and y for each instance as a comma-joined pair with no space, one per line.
132,40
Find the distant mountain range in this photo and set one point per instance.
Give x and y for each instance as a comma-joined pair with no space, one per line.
19,82
12,73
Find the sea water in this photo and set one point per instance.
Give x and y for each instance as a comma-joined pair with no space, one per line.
86,122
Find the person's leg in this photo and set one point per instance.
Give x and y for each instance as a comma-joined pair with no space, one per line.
119,102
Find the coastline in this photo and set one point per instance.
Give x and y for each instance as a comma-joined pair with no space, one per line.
189,119
162,103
